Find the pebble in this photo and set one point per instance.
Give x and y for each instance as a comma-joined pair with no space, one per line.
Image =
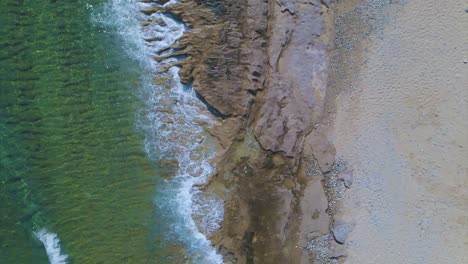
341,230
347,178
168,120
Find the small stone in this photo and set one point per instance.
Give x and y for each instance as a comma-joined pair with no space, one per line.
347,178
166,110
341,230
168,120
465,61
466,9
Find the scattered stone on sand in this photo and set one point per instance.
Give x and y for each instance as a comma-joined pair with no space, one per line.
347,178
341,230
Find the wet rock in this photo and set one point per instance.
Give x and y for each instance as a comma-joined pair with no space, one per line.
347,178
263,66
168,168
166,110
169,162
220,50
341,230
168,120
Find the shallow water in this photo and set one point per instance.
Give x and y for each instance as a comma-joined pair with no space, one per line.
72,160
80,140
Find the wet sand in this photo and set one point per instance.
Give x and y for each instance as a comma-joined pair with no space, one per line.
401,125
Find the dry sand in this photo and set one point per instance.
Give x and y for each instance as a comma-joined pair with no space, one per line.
401,124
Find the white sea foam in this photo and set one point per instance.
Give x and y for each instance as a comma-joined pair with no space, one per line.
51,243
172,124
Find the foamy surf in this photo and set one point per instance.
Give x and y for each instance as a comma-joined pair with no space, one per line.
51,244
172,124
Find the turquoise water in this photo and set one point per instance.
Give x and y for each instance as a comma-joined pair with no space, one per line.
84,122
71,158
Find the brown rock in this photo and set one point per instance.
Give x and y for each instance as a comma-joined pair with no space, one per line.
295,95
169,162
261,67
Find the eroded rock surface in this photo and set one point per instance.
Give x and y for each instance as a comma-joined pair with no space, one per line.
297,76
261,65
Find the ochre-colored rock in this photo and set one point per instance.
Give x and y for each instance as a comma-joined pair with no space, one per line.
261,66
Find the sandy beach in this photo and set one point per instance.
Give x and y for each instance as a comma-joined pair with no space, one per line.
401,125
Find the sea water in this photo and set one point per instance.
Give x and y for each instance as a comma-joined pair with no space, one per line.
84,120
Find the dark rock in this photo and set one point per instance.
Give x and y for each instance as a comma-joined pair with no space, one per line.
326,2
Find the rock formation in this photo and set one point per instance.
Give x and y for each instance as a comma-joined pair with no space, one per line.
261,67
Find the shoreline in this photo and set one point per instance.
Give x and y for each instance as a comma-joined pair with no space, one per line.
280,78
272,157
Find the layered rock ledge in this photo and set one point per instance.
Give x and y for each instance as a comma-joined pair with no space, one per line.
261,67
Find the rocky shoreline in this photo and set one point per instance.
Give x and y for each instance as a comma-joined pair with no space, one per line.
270,72
262,69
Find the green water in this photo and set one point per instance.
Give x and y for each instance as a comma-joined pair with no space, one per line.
71,157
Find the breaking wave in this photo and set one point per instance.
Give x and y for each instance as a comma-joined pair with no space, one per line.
51,244
173,121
